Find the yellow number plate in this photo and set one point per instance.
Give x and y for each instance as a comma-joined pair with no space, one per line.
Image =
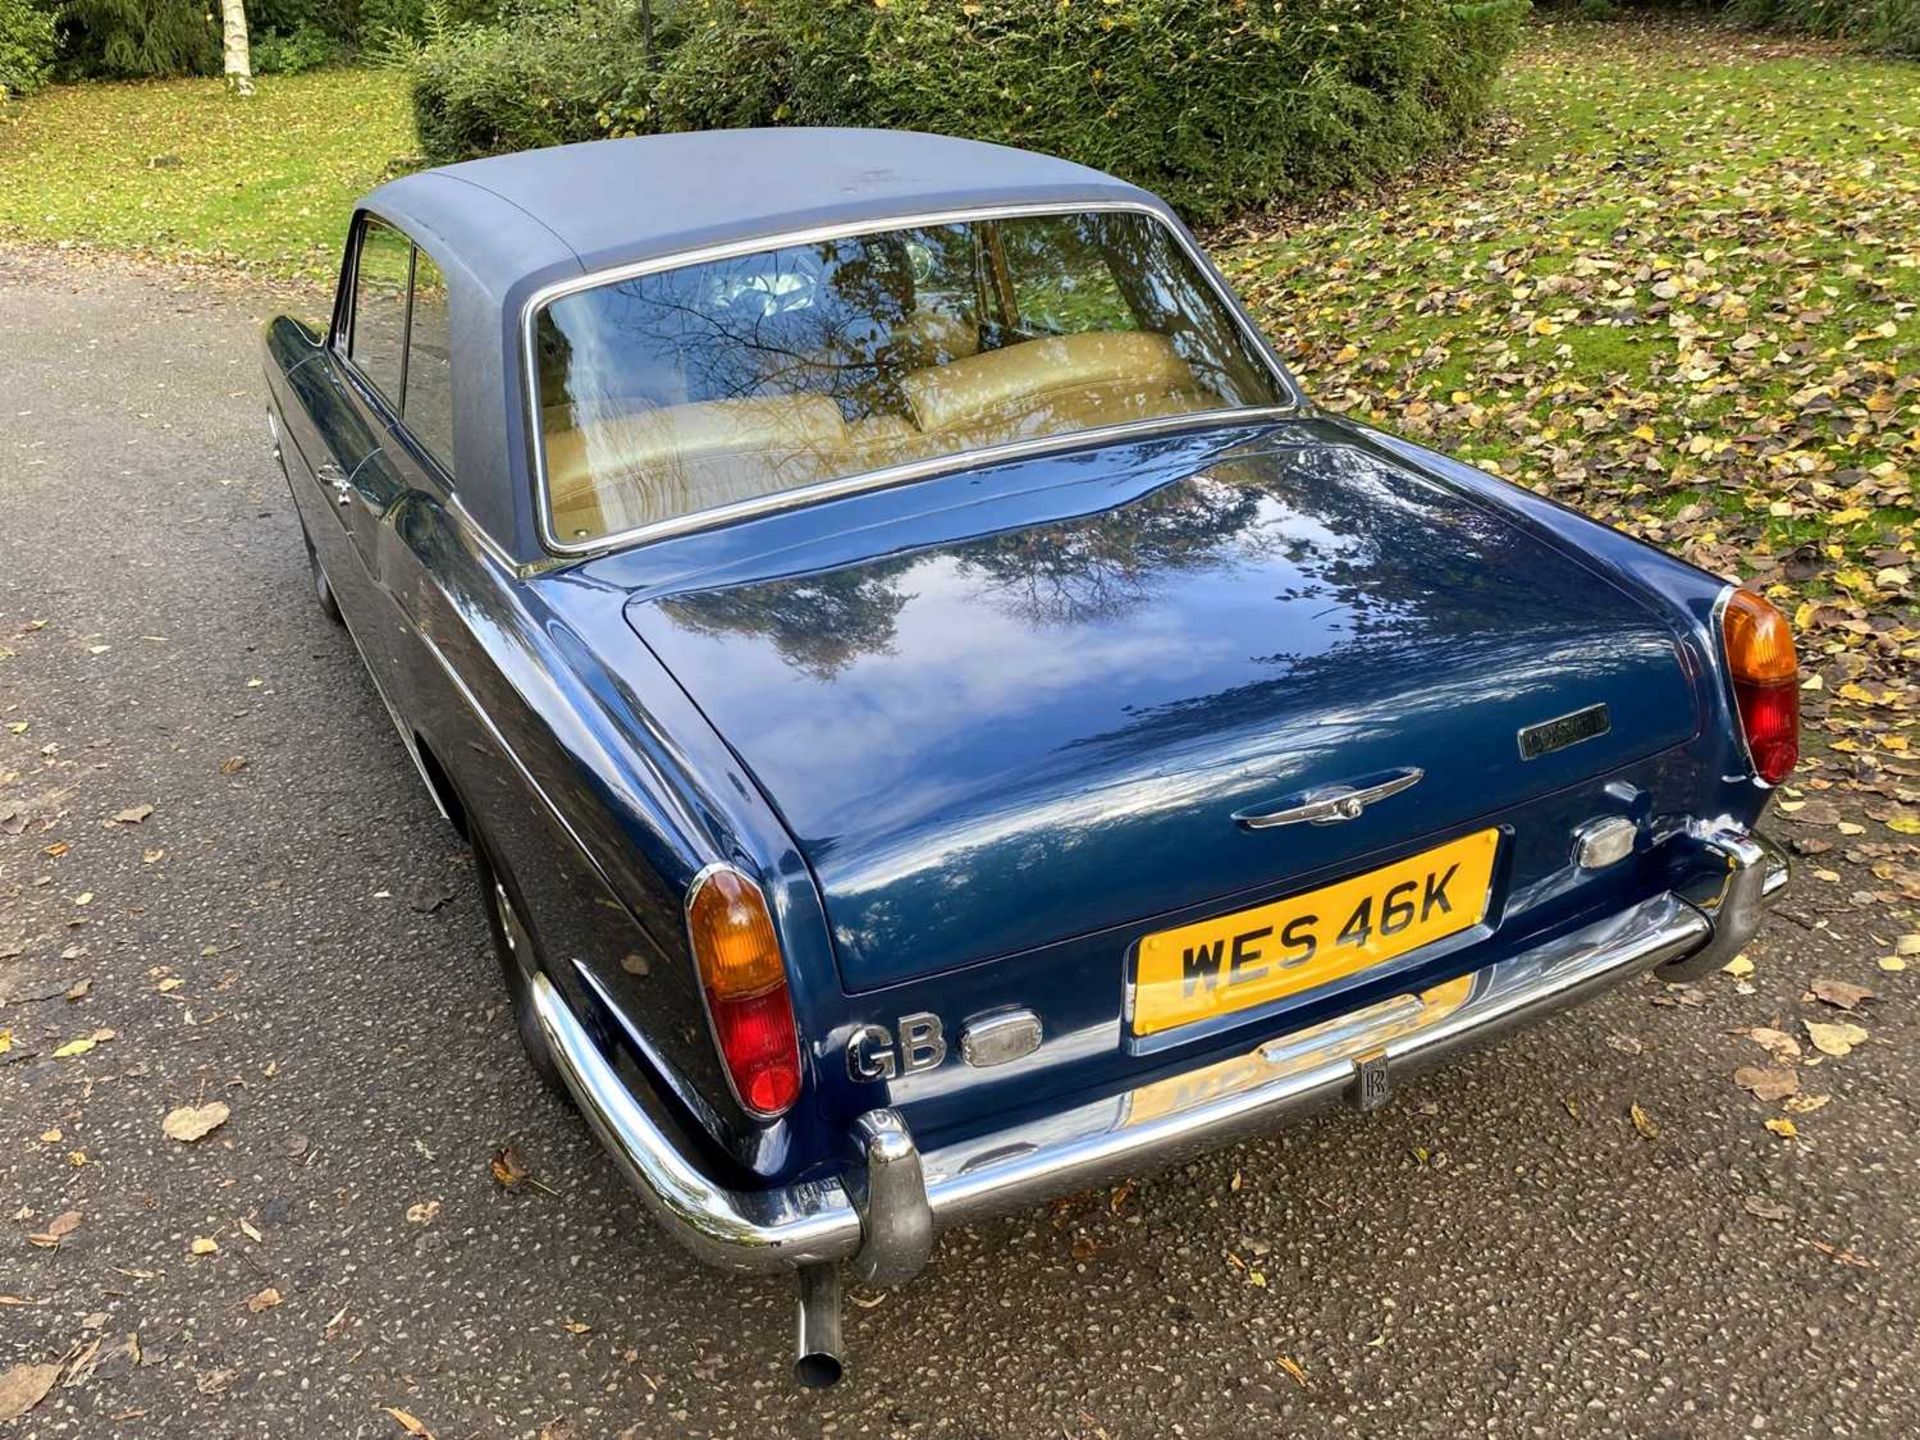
1254,956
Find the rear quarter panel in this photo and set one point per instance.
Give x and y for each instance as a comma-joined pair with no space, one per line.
601,813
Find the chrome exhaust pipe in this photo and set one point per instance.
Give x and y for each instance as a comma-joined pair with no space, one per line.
817,1360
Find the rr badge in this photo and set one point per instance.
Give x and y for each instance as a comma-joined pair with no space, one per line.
1372,1081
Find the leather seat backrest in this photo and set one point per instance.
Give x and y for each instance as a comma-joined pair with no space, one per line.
984,385
616,473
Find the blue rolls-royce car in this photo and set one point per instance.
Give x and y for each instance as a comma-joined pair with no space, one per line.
940,718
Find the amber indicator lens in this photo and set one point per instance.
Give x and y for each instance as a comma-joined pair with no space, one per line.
745,982
1766,683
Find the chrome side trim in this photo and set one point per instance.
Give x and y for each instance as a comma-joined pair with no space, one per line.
896,474
884,1216
407,741
482,541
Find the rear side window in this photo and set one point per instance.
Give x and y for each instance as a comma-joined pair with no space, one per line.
427,406
377,336
400,335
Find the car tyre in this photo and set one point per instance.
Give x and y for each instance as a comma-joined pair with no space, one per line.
329,606
520,960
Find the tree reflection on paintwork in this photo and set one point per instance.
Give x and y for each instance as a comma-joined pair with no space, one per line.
1336,522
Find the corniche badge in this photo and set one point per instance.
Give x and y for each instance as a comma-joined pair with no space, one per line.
1564,730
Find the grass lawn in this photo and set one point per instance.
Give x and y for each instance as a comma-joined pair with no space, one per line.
179,169
1682,293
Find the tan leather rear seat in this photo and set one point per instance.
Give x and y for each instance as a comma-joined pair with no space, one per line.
630,470
1103,364
622,472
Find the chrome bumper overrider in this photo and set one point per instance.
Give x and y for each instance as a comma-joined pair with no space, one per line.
884,1216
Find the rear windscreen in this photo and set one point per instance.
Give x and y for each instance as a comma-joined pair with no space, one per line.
694,388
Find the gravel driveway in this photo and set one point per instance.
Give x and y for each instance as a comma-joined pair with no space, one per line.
290,930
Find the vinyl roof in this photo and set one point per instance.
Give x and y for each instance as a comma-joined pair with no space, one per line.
555,212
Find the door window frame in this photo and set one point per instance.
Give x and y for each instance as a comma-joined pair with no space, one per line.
389,409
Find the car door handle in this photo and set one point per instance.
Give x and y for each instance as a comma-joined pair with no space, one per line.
331,474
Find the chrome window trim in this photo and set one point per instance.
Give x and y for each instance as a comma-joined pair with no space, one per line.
484,542
893,474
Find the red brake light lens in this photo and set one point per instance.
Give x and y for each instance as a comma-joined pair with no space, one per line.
745,982
1766,683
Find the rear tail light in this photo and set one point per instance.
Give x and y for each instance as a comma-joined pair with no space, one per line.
1766,683
745,983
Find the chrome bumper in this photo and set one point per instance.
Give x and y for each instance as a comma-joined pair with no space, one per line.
884,1216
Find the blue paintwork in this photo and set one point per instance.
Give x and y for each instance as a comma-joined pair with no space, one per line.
979,733
986,743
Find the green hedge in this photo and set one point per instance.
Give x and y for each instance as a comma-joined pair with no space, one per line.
26,47
546,80
1217,104
1890,26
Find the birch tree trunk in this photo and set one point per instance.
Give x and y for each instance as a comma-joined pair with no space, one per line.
239,65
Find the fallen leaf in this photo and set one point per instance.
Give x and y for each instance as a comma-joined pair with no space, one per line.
1784,1128
204,1245
133,815
1767,1083
1892,964
1295,1370
80,989
1767,1209
23,1387
190,1122
1738,966
1643,1122
1781,1045
1840,993
1844,1256
265,1300
577,1327
75,1047
233,764
408,1423
424,1213
1836,1040
1806,1104
57,1230
508,1169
